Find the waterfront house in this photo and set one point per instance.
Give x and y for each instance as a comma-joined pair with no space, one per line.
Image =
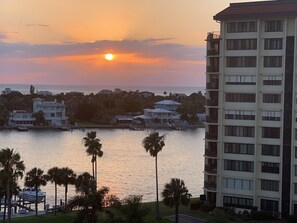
169,105
20,118
54,112
163,115
44,93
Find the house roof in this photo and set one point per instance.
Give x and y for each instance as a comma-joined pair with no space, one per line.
262,9
167,102
157,110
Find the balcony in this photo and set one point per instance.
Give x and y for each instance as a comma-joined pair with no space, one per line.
212,69
214,85
211,152
210,185
211,119
211,136
212,102
212,169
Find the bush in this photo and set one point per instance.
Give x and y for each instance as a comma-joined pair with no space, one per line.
292,218
264,215
218,215
207,207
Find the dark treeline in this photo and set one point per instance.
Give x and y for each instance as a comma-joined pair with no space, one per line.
100,108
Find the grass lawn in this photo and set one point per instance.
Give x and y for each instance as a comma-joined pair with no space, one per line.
68,218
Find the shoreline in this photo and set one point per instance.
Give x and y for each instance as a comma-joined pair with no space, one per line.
95,126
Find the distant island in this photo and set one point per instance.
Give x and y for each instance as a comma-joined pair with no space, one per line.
107,107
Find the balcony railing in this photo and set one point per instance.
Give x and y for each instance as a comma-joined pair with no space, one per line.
213,135
213,102
211,152
213,52
211,119
212,69
212,85
211,168
210,185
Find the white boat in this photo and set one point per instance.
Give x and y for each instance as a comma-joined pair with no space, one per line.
29,194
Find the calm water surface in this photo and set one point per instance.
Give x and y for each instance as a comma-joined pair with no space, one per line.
125,166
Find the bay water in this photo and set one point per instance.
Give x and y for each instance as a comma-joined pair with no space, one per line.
125,167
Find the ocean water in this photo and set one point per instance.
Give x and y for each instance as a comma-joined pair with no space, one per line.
55,89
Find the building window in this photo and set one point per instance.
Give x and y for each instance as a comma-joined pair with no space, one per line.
238,202
240,97
238,27
273,61
241,80
271,115
270,150
272,80
240,131
239,165
247,61
238,184
273,44
274,26
271,132
271,98
241,44
240,115
269,205
295,170
239,148
267,167
295,188
295,152
270,185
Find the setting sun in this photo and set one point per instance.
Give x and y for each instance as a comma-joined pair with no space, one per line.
109,56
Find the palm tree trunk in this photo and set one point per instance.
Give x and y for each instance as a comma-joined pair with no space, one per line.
66,191
176,213
96,172
36,201
5,204
55,199
8,203
157,193
93,167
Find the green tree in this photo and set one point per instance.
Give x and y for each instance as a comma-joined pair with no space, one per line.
68,177
12,168
93,149
39,118
84,182
54,176
133,210
89,202
154,144
32,89
174,194
35,178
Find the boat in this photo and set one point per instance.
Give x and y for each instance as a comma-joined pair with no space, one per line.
29,194
22,128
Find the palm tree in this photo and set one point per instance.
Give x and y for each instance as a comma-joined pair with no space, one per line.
84,182
174,194
90,201
35,178
154,144
67,177
54,176
93,149
12,168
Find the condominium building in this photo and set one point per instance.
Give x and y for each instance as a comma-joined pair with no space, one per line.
251,108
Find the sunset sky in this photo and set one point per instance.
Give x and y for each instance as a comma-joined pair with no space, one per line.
154,42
